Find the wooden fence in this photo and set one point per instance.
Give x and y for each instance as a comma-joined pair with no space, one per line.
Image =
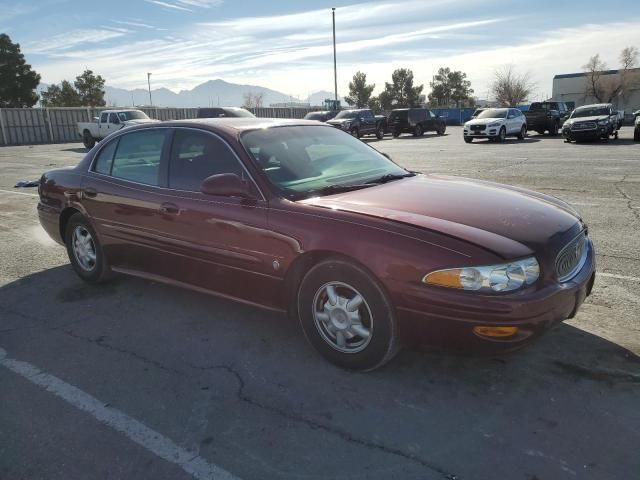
27,126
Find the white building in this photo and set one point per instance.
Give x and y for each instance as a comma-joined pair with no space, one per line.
572,87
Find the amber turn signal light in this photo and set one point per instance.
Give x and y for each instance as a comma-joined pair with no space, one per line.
496,332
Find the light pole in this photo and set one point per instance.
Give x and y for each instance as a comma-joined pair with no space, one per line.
335,71
149,84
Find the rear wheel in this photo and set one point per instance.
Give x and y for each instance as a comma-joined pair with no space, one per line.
554,129
418,131
87,139
523,132
84,250
636,135
346,316
396,133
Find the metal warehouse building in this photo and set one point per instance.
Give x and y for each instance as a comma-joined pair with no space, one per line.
572,87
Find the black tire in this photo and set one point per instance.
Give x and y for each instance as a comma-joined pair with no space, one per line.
553,131
442,129
523,132
615,135
501,135
396,133
355,132
100,270
418,131
380,132
468,139
88,140
636,135
376,310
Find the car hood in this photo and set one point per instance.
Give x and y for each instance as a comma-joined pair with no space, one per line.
484,121
509,221
587,119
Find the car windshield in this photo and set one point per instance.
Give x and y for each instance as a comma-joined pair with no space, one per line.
314,116
494,113
536,107
590,112
240,112
305,161
346,114
132,115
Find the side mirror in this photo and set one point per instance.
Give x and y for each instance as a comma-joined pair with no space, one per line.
96,119
225,185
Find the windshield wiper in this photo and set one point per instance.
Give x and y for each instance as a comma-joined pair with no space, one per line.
389,177
331,189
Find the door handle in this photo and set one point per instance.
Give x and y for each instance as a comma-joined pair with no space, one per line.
170,208
89,192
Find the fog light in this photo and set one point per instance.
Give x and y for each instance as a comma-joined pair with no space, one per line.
496,332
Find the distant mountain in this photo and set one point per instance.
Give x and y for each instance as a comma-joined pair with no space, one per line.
211,93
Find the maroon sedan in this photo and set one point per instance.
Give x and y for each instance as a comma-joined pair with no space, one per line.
300,217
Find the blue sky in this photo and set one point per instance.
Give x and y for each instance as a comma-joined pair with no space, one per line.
286,45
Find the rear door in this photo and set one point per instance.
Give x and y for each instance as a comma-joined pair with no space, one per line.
123,196
428,122
369,121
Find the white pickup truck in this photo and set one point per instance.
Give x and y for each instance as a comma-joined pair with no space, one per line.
108,122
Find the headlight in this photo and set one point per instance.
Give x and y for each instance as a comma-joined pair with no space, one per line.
603,122
489,278
494,125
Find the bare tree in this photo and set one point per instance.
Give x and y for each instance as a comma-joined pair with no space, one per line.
511,88
252,100
604,88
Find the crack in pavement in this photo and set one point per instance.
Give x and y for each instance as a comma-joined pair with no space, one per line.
313,424
243,397
629,199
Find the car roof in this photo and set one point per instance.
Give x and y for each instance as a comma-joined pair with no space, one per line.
595,105
237,124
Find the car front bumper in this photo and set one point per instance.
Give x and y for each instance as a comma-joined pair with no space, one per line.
601,131
446,318
488,132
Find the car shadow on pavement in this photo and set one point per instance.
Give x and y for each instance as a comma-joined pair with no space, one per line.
514,141
247,388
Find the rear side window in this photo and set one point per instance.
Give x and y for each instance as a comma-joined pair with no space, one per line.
196,156
103,117
104,159
113,118
137,157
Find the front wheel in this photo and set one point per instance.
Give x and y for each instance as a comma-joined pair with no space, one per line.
502,135
523,132
380,132
418,131
347,316
355,132
441,130
468,139
84,250
88,140
554,129
636,135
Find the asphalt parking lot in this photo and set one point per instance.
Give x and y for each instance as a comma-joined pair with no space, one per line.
135,379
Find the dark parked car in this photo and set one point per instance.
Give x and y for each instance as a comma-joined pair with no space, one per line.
636,126
221,112
299,217
360,122
591,122
415,121
546,116
322,116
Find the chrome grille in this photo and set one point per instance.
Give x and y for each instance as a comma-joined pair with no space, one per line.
584,126
571,258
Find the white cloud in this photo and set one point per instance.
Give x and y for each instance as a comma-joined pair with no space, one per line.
71,39
168,5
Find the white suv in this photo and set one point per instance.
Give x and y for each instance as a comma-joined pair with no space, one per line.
496,124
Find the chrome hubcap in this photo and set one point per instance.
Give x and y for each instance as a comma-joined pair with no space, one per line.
84,248
342,316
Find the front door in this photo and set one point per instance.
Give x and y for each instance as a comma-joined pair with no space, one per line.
219,242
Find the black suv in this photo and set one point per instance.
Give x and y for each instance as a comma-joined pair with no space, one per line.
415,121
546,116
359,123
321,116
591,122
222,112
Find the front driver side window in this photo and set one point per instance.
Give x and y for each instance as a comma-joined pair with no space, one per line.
104,117
196,156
